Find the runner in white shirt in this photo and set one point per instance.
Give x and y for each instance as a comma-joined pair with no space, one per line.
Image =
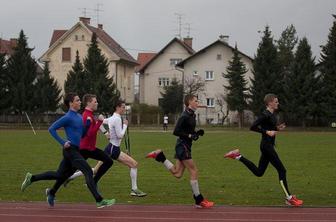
117,129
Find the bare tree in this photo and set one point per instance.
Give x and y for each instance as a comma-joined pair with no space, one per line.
194,85
222,104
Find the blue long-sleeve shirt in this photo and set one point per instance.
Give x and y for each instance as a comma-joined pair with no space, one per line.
72,123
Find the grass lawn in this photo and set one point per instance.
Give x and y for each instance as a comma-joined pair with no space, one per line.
309,158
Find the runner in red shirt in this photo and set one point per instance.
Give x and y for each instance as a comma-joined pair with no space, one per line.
88,147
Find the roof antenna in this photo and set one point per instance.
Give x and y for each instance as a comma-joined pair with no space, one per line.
97,10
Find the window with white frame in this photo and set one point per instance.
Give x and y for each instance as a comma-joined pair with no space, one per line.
174,61
163,81
195,73
210,102
209,75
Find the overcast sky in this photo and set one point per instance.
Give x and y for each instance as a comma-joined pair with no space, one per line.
150,24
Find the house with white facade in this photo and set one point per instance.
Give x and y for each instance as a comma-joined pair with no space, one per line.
209,64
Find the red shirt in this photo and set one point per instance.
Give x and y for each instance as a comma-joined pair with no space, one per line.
88,142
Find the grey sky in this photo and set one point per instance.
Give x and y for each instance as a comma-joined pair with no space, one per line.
150,24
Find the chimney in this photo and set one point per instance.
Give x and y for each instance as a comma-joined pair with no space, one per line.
100,26
188,41
224,38
13,42
85,20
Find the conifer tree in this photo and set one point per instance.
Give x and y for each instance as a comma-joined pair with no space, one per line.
47,92
328,74
286,45
236,88
96,72
22,76
172,98
266,73
76,81
302,85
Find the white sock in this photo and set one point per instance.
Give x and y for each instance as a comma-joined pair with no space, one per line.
238,157
78,174
134,174
288,196
168,164
194,187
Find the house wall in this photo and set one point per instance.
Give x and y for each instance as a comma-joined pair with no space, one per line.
208,61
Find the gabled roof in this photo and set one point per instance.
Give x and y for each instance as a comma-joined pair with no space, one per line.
188,48
218,42
112,44
7,46
143,59
101,35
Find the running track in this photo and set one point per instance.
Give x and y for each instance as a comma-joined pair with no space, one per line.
37,211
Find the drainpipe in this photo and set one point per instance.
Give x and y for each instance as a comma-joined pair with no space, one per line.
116,74
182,71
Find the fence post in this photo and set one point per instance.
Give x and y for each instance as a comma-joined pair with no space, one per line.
138,118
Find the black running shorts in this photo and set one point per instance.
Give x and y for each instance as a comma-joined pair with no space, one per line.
182,150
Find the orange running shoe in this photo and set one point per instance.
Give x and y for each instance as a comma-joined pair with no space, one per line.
232,154
153,154
293,201
205,204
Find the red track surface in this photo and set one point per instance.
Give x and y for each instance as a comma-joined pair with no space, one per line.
29,212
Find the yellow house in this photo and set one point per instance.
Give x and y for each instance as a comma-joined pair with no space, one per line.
61,55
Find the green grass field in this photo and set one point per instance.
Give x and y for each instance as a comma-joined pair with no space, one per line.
308,156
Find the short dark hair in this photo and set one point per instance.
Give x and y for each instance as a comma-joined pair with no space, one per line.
88,98
69,97
118,104
187,99
269,98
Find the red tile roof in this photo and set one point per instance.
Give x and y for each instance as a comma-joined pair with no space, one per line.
105,38
143,59
112,44
56,35
6,47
